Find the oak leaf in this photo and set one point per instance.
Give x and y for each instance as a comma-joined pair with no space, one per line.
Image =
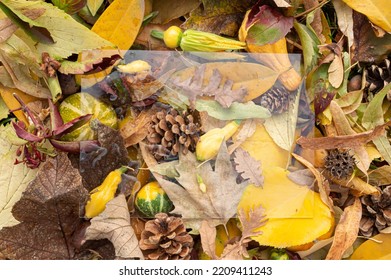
114,224
249,168
48,213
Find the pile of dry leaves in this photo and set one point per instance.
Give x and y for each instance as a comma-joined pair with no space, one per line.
196,129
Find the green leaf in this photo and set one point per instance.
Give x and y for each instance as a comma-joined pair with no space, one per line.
70,37
309,42
373,115
237,110
13,178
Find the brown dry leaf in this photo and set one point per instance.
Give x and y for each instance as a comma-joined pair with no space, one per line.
114,224
342,142
48,213
217,203
219,17
367,47
346,231
323,184
172,9
94,166
218,87
134,131
358,186
246,130
336,72
316,23
380,176
343,127
248,167
208,239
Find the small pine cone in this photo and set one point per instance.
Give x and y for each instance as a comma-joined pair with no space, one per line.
170,132
376,213
166,238
276,100
339,164
378,76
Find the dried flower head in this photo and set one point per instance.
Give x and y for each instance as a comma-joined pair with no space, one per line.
340,164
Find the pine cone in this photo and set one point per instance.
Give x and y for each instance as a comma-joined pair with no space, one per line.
376,213
166,238
339,164
170,131
276,100
378,76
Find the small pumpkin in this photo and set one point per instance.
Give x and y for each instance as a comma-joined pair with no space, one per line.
152,199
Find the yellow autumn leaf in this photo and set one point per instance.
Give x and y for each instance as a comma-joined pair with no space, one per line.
11,102
120,22
262,148
378,11
296,215
372,250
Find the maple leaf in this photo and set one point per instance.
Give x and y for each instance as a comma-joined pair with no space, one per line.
217,203
114,224
248,167
48,213
218,87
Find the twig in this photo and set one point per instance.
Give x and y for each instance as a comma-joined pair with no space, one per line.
312,9
294,43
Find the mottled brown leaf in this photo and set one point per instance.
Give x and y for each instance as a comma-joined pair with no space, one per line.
49,214
248,167
220,17
112,154
114,224
367,47
246,130
346,231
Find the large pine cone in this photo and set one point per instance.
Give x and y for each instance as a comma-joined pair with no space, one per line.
166,238
376,213
170,132
378,76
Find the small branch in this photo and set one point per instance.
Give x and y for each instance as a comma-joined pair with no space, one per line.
312,9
